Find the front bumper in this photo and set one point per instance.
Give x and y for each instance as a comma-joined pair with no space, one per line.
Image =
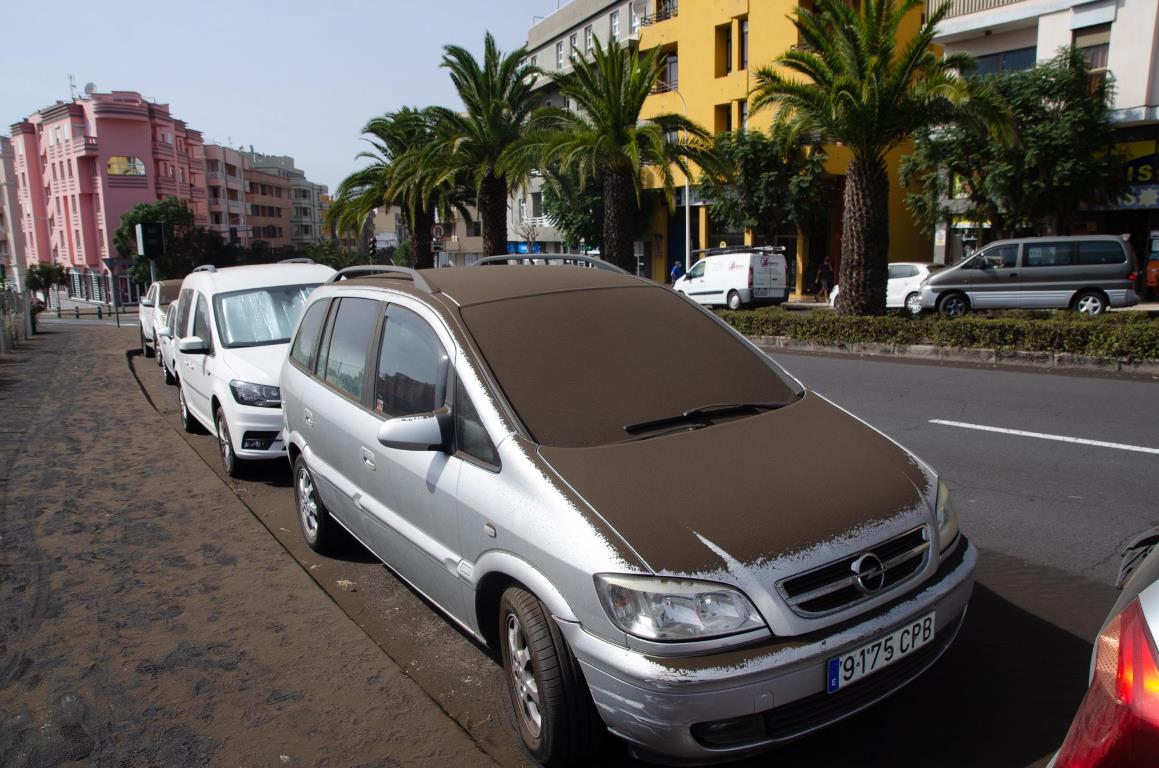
256,423
698,710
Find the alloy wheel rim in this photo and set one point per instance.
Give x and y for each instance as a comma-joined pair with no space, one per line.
181,405
954,307
1089,305
914,304
523,676
224,443
307,504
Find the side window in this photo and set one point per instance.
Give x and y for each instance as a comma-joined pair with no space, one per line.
1049,254
412,366
697,270
1002,256
305,347
354,324
469,431
1101,253
902,270
201,323
171,319
183,304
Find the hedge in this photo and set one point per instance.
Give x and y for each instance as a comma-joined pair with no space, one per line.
1129,336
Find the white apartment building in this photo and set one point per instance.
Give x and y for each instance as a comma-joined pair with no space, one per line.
1120,39
11,234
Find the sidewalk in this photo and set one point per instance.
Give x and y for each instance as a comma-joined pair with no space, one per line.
147,619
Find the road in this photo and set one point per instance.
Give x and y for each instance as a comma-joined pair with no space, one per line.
1002,696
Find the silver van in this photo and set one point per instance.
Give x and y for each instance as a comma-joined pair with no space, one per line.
1086,274
499,440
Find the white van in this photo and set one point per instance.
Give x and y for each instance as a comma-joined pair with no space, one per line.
737,277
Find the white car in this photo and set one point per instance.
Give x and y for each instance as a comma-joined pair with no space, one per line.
151,312
232,330
903,287
737,277
165,348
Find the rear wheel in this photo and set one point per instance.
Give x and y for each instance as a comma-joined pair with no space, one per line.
733,300
913,304
189,422
1090,303
553,708
953,305
169,377
146,350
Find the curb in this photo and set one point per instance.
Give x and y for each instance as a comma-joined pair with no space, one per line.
995,357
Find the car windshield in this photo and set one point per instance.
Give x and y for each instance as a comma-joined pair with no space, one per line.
259,316
168,294
580,366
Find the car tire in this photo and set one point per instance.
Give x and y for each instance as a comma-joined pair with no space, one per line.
319,530
953,304
913,304
233,466
189,422
146,350
168,374
733,300
1091,303
554,713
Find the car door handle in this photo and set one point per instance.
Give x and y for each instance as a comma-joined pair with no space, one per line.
1013,274
368,458
308,415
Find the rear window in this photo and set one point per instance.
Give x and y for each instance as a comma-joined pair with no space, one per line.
579,366
168,293
1101,253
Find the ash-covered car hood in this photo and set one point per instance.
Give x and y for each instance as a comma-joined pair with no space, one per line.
807,482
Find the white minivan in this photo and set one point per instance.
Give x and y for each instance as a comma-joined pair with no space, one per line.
737,277
230,336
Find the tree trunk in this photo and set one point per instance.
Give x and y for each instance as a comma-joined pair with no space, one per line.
493,211
864,238
420,238
620,211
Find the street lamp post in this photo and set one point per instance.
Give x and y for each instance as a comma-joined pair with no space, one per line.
687,202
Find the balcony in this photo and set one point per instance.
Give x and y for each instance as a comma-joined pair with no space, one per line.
664,11
236,206
963,7
166,184
85,146
162,148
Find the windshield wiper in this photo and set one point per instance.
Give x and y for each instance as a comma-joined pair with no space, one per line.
712,409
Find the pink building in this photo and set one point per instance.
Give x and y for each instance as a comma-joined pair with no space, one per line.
80,165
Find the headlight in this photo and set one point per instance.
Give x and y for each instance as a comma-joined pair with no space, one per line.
946,516
260,395
675,609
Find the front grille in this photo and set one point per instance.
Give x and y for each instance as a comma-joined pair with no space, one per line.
812,712
833,587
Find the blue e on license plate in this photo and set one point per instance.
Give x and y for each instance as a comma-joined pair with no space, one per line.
877,654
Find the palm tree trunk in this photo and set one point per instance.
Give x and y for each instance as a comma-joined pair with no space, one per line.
420,234
620,210
864,238
493,211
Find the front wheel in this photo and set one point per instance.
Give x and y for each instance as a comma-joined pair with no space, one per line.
229,461
146,350
913,304
318,528
733,300
553,708
953,305
1090,303
189,422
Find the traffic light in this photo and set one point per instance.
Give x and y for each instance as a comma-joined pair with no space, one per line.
372,247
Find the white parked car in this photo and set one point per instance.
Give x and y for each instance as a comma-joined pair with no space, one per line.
903,287
737,277
151,312
165,345
232,329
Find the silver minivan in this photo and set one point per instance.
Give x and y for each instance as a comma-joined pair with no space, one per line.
1086,273
657,528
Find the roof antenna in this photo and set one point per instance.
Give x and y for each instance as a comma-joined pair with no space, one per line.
72,87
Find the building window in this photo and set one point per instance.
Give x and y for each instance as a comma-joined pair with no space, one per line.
559,55
723,50
535,60
1006,61
572,41
744,43
1095,45
743,111
615,24
522,209
475,229
633,20
669,74
120,165
588,38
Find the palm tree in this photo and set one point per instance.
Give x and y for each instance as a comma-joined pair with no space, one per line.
497,99
855,82
605,139
393,136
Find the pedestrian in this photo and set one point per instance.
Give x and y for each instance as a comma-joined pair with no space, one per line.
677,271
824,278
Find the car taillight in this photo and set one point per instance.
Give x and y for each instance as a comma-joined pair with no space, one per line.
1118,721
750,277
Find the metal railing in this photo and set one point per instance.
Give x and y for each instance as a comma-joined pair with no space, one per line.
664,11
963,7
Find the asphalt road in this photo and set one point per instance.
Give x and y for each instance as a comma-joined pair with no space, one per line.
1003,695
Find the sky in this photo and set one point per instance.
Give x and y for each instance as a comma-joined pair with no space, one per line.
291,78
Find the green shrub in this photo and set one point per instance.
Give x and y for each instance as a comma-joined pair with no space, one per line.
1119,335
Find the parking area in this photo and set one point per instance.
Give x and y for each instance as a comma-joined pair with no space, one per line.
160,606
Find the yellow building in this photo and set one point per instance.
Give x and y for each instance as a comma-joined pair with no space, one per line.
710,50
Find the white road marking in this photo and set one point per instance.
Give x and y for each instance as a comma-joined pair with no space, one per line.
1044,436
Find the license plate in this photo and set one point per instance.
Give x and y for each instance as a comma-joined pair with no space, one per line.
760,291
880,653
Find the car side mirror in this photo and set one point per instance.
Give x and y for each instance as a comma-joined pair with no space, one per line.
165,333
146,302
429,431
193,345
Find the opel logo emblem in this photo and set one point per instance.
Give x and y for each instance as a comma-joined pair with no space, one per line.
869,573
